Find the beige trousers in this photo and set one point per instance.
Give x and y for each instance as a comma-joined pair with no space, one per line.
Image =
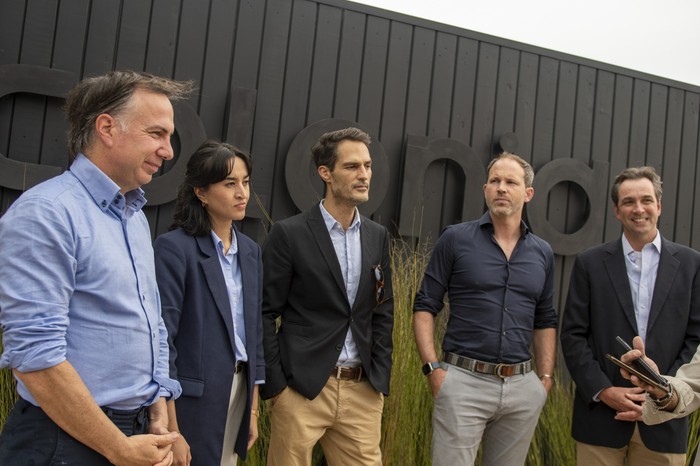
345,417
635,453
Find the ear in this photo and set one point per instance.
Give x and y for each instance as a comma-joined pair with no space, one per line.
529,194
105,128
201,194
324,173
617,211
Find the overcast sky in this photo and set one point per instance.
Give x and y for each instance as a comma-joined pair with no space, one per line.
661,37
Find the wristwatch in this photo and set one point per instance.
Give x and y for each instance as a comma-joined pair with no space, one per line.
429,367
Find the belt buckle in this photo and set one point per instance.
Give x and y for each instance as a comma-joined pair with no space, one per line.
339,372
497,371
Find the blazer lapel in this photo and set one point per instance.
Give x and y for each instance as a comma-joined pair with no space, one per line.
666,273
216,283
366,242
617,271
249,275
325,245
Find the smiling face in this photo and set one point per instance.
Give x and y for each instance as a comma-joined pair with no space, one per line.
638,211
140,139
348,182
227,200
505,190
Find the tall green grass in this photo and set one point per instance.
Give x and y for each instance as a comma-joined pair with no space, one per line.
406,424
7,391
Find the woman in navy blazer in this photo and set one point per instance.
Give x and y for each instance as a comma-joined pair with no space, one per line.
210,277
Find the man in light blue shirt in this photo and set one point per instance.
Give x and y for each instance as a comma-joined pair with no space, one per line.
79,304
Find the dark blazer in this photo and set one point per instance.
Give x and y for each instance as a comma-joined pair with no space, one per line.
598,308
304,285
198,316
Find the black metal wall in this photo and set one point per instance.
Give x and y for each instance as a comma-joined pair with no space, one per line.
439,102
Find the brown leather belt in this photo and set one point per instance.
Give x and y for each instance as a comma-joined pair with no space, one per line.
498,369
348,373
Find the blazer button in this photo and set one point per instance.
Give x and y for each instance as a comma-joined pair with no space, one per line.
339,347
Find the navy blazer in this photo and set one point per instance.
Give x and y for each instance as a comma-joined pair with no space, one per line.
598,308
304,285
197,314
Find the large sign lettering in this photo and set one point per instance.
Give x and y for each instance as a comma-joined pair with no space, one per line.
33,80
304,185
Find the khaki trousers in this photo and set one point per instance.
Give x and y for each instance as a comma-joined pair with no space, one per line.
635,454
345,417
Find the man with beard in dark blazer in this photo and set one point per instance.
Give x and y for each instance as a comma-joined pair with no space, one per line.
326,274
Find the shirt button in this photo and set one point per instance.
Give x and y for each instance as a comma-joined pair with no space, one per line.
104,203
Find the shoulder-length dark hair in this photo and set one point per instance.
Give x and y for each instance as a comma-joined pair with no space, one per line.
212,162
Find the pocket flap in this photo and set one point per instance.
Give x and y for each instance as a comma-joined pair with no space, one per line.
192,387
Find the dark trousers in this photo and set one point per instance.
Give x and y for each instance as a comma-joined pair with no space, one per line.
31,438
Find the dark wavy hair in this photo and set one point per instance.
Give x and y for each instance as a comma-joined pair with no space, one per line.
325,151
212,162
111,93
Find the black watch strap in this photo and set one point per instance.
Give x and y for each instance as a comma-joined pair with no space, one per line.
429,367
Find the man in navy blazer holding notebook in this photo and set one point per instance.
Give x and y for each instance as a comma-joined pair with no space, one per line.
640,284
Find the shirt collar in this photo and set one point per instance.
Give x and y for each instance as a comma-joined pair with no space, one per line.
101,188
332,222
486,220
220,244
627,247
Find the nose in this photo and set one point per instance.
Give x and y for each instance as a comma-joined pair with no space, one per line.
364,173
501,187
240,191
166,151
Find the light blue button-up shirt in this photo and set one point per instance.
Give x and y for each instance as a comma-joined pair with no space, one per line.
642,267
77,283
234,289
348,249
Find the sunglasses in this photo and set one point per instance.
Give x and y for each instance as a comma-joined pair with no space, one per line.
378,283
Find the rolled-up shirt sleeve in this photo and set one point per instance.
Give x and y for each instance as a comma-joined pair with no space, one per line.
169,388
37,278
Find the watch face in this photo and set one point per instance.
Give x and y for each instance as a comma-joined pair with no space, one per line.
429,367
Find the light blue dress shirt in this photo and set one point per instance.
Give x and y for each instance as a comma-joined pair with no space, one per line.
234,290
348,249
642,267
77,283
